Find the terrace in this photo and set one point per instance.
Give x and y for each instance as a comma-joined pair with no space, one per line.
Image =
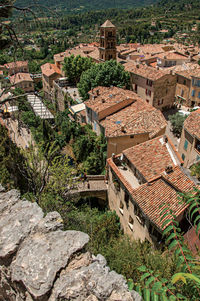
127,172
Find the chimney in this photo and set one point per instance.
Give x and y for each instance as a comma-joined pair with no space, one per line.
169,169
165,139
123,129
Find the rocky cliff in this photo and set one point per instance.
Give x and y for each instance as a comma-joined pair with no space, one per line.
40,261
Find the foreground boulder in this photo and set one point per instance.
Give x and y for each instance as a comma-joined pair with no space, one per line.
40,261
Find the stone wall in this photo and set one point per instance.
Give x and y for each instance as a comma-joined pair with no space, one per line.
40,261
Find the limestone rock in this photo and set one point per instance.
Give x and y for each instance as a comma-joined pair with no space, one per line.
94,280
42,256
8,199
40,262
15,224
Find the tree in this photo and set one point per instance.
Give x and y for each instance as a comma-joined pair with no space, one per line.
104,74
47,172
177,121
74,66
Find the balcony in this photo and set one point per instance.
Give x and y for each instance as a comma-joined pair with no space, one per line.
127,173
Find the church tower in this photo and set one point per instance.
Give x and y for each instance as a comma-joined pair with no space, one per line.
107,49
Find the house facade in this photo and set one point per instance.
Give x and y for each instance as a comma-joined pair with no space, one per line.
188,87
49,73
15,67
189,146
153,85
23,81
123,118
142,181
169,59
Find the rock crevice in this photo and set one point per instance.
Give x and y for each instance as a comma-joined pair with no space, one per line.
39,261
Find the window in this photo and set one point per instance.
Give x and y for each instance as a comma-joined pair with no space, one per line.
148,92
95,126
193,93
182,92
130,222
185,145
147,100
197,158
184,82
121,208
183,157
149,82
199,95
131,136
126,198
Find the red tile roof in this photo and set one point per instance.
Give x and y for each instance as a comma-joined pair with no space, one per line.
192,123
137,118
50,69
107,97
16,64
151,157
20,77
172,56
108,24
150,196
144,71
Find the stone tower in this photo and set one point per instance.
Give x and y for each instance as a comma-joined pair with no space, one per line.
107,49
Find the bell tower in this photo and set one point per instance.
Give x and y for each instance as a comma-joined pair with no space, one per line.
107,49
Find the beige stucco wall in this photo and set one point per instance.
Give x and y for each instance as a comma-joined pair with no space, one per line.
141,83
164,89
191,154
138,231
166,62
27,86
117,144
183,88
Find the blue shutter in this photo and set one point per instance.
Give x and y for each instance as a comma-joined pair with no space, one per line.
185,144
193,92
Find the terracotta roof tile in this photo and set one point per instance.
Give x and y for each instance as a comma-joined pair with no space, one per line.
150,196
16,64
151,157
50,69
192,123
107,24
137,118
144,71
107,96
172,56
20,77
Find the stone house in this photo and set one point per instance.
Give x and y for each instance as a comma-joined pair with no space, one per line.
15,67
142,179
169,59
189,146
49,73
153,85
123,118
23,81
188,87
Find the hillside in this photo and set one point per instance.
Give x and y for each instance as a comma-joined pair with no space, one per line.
80,5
